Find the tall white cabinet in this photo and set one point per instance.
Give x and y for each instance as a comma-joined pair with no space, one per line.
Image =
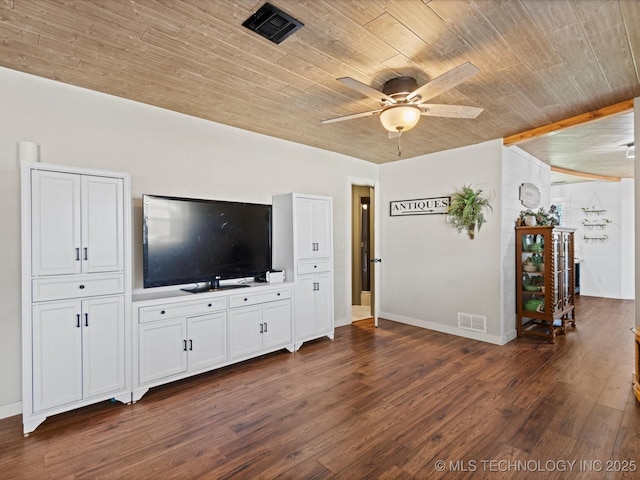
76,285
303,247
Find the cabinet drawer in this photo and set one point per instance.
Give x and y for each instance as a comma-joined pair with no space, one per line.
76,286
254,298
313,267
186,309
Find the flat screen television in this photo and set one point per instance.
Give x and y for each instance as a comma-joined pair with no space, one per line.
189,240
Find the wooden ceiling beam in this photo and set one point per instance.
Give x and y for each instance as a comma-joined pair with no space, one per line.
590,176
568,123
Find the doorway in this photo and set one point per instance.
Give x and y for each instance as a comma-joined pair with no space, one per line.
362,253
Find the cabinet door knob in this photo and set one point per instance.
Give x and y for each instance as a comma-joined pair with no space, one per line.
77,320
209,305
184,345
81,287
246,299
278,294
162,312
86,319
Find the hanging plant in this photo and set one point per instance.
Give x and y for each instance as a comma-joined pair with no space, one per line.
467,208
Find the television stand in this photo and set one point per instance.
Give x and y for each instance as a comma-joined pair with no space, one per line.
211,287
175,336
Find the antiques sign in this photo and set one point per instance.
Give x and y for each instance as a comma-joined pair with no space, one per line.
421,206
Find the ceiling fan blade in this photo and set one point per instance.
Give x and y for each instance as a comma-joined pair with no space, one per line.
449,111
366,90
350,117
444,82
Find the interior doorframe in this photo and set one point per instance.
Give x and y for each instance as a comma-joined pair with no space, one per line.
375,184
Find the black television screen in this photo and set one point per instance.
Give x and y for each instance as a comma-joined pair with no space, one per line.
187,240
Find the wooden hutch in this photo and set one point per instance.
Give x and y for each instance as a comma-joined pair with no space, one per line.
545,281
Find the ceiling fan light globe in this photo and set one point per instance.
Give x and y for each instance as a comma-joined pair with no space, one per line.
400,118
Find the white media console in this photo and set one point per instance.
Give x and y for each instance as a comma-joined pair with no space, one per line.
180,334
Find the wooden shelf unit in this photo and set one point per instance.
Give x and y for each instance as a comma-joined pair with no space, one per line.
545,281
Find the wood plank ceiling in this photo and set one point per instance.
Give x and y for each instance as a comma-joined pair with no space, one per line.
541,61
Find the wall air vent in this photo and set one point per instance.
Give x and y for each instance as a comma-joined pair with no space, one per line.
272,23
469,321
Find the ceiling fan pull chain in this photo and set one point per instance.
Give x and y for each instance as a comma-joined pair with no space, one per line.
399,147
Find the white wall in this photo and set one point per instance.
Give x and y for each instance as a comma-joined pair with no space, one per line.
518,167
165,153
430,272
606,269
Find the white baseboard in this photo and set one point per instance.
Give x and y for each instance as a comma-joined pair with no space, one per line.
10,409
483,337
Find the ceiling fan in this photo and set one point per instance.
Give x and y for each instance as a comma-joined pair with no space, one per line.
402,101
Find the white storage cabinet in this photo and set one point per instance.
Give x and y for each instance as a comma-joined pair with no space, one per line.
78,350
77,223
179,337
76,285
179,334
257,325
303,247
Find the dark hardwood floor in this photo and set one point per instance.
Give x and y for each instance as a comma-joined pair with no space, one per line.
386,403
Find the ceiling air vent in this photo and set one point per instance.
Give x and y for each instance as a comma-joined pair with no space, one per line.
272,23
